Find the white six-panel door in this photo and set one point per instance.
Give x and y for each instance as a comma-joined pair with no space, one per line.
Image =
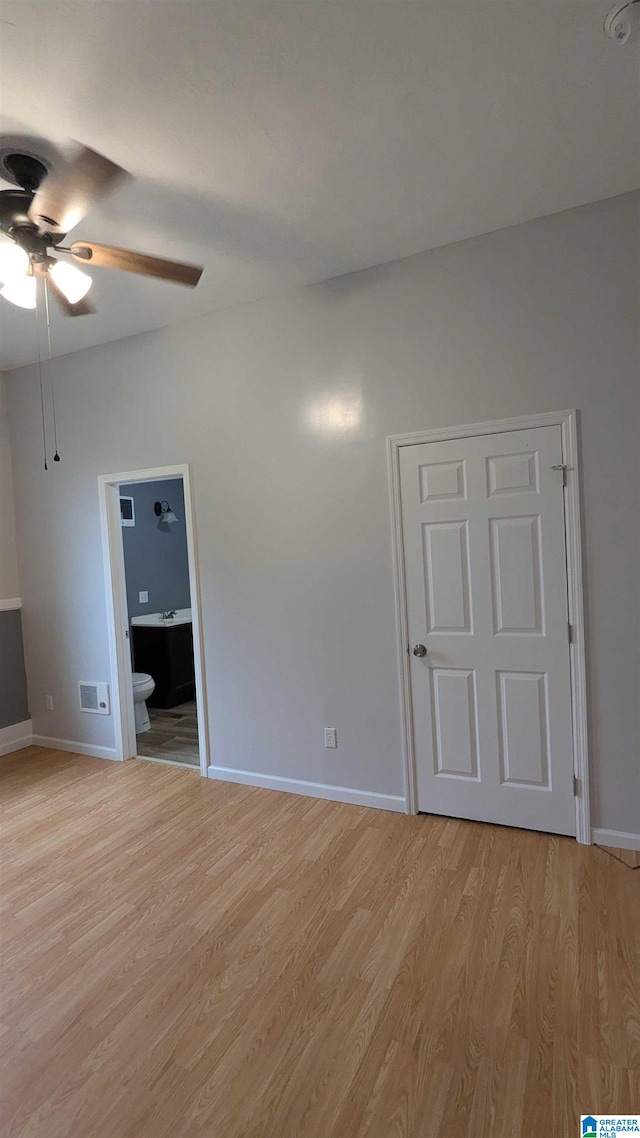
485,563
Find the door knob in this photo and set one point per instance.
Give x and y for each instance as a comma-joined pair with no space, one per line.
419,650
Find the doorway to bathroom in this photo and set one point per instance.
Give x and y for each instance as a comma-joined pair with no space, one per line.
154,614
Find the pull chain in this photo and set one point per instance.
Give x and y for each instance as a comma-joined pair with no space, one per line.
56,457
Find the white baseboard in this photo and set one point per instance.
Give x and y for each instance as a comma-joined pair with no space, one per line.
311,789
75,748
8,605
16,737
619,839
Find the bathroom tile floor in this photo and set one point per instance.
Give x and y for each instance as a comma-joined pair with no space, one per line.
173,735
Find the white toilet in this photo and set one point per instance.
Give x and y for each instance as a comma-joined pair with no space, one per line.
143,686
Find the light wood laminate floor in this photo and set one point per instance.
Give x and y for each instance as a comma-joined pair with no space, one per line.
631,858
185,957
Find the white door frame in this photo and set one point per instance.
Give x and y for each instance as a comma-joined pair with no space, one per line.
117,612
567,421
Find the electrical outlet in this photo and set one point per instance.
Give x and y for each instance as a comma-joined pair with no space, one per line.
330,737
48,702
143,598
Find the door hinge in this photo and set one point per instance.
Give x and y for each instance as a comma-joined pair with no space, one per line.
562,468
577,787
570,633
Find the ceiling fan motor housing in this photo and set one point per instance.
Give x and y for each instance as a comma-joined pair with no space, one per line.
27,172
24,170
15,222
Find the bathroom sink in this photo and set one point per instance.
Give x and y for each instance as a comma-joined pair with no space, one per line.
156,619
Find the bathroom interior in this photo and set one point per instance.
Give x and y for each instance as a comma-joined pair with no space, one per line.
156,564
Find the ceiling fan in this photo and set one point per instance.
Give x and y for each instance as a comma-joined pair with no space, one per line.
38,214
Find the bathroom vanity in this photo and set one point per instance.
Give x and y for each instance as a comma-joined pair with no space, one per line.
163,647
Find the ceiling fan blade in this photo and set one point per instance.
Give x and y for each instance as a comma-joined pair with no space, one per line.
64,198
82,307
110,257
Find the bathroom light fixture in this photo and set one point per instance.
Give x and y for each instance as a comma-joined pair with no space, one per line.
617,24
163,511
72,282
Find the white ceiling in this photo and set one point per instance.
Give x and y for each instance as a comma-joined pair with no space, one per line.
285,143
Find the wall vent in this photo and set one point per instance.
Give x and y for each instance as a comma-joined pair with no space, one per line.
94,697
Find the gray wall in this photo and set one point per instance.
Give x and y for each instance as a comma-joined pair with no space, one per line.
13,683
14,707
282,408
156,559
9,587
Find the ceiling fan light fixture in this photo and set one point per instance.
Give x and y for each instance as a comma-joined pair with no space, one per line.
72,282
20,290
37,216
14,262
